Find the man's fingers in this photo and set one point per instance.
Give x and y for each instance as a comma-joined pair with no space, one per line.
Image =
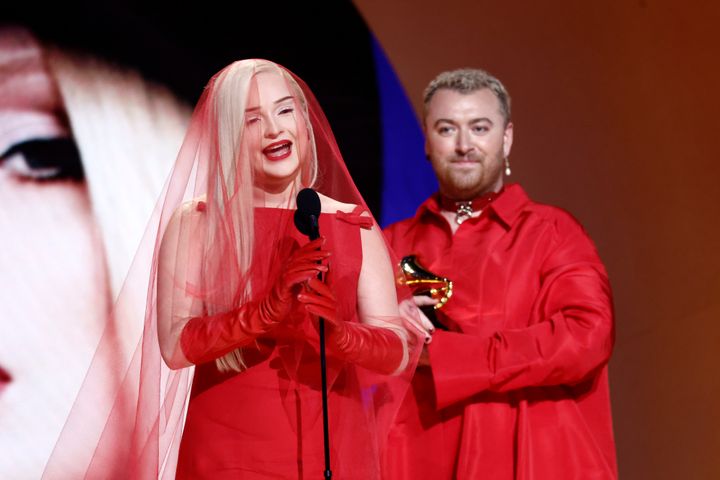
414,317
422,300
426,323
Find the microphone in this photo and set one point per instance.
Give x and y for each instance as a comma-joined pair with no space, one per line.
307,213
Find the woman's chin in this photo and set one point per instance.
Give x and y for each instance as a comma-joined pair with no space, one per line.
277,180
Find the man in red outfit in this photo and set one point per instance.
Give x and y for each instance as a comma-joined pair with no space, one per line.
516,387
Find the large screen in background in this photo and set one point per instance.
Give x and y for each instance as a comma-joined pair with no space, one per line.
94,100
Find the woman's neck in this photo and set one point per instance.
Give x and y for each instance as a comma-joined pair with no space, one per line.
279,197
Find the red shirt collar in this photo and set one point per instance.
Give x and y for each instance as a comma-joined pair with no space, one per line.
506,207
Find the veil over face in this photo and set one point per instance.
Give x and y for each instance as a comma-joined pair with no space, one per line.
257,137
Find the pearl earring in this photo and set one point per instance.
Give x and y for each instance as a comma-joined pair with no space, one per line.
508,172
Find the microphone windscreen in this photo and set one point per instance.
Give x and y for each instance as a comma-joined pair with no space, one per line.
307,213
308,202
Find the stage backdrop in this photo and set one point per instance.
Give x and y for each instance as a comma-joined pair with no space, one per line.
614,111
94,97
615,106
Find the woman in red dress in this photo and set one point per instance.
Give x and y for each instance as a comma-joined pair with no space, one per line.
234,292
255,406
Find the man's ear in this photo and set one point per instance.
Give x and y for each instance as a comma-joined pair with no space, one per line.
507,139
425,136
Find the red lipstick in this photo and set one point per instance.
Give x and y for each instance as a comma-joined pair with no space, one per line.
277,151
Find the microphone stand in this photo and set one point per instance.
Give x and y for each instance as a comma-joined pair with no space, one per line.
306,221
327,474
323,378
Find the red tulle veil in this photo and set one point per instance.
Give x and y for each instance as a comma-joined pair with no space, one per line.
128,418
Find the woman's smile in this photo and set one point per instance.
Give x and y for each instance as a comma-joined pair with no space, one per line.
277,151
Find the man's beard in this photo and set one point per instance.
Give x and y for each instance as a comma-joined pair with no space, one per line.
473,181
465,181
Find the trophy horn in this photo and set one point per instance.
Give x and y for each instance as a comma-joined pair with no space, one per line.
423,282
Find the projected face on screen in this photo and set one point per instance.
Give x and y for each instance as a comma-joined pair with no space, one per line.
54,291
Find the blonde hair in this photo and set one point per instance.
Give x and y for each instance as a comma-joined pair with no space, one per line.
128,132
236,180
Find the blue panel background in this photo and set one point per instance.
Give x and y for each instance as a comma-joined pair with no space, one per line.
407,178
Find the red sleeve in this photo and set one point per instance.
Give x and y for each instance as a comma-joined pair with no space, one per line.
388,233
568,337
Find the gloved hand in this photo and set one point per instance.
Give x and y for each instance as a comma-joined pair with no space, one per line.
209,337
372,347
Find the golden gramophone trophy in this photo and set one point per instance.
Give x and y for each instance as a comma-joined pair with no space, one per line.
423,282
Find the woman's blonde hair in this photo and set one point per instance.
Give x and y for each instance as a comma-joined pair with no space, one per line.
233,184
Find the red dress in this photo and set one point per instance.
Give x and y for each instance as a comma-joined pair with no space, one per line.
266,421
518,387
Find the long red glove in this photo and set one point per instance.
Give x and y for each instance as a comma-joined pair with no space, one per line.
209,337
372,347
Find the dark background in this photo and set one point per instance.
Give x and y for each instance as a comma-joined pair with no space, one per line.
182,46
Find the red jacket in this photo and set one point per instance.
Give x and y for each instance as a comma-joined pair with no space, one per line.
518,387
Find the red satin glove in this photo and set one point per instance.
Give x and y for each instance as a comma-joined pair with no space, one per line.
372,347
209,337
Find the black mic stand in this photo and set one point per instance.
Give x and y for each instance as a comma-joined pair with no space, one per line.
306,221
327,474
323,380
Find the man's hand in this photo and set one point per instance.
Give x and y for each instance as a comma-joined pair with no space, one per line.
417,318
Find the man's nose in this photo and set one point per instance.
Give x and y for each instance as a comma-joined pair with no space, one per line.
462,143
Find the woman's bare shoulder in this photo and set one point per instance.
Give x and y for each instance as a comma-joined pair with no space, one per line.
330,205
189,213
195,207
187,222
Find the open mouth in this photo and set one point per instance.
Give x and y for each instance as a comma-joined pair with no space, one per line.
278,150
